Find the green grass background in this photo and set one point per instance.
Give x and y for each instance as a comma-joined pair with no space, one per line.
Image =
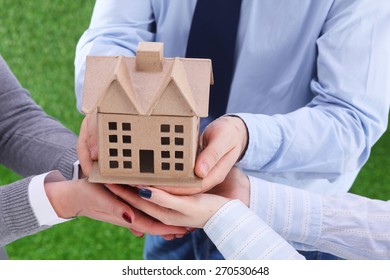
38,39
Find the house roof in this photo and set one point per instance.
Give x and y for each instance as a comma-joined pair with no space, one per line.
113,85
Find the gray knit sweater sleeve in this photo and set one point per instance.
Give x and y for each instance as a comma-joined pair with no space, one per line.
16,215
31,143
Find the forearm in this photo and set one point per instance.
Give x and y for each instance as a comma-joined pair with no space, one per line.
311,143
348,112
366,220
240,234
310,221
31,141
293,213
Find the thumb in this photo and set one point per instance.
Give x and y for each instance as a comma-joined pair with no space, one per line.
216,148
83,151
92,137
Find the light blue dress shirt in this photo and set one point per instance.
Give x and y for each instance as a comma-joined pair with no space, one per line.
311,82
346,225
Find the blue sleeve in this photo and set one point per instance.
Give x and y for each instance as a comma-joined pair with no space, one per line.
116,28
334,132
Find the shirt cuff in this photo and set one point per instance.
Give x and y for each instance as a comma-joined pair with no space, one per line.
40,203
264,139
76,170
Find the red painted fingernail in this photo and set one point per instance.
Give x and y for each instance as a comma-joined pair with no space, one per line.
127,218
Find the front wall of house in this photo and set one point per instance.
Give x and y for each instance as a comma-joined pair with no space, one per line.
147,146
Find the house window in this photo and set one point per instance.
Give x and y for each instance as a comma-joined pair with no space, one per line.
126,126
113,152
178,154
165,154
126,139
179,128
113,138
114,164
112,126
127,164
165,141
165,128
165,166
179,141
179,166
126,152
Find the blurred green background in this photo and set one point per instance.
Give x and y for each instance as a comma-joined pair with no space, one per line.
38,39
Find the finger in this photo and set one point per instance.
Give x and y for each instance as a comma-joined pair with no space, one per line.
226,134
122,191
116,209
136,233
162,206
130,196
164,199
83,151
143,222
135,200
210,156
182,190
175,189
147,224
215,146
168,236
219,172
92,136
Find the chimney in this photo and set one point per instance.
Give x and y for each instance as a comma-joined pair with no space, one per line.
149,56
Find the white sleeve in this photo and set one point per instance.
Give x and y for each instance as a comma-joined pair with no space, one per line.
40,203
240,234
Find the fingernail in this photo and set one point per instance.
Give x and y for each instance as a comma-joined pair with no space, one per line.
138,234
127,218
204,168
145,193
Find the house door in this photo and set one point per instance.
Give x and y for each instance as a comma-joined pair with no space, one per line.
146,161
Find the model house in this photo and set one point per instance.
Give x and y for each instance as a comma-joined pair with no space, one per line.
149,108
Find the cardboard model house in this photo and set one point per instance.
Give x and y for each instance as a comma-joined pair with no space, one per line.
148,108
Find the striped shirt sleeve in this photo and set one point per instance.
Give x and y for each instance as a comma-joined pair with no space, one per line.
346,225
240,234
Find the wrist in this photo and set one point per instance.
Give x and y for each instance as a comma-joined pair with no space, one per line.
243,133
216,203
61,198
245,185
